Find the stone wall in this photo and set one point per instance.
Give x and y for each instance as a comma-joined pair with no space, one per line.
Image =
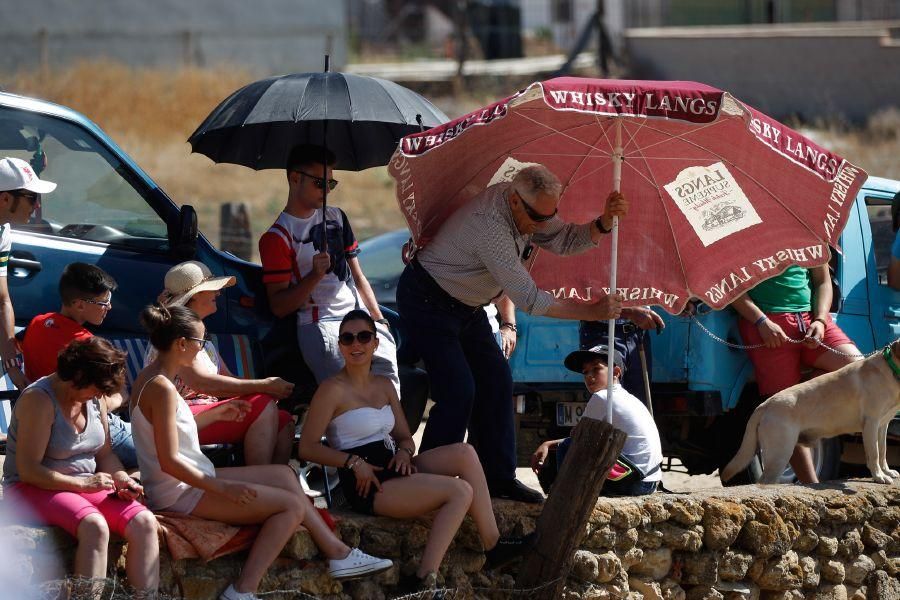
840,540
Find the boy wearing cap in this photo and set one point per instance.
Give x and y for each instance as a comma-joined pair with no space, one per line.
642,446
86,294
20,190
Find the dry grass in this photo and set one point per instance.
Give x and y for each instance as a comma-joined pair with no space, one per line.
151,112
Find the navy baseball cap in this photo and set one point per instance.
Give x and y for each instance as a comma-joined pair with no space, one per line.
575,360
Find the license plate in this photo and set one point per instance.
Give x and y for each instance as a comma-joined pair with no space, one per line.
569,413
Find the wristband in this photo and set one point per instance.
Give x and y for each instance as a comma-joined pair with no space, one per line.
383,321
510,326
408,451
347,462
761,320
599,223
11,363
820,320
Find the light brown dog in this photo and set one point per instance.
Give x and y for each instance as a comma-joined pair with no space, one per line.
862,396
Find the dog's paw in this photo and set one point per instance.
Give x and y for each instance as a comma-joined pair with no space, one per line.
882,478
894,474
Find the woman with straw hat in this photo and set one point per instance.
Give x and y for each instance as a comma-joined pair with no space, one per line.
227,409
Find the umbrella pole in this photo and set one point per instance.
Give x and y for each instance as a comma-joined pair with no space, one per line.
325,165
613,260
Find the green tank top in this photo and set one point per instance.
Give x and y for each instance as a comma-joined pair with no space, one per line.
788,292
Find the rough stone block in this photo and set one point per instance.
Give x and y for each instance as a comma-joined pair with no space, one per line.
767,534
672,590
627,516
608,567
650,538
602,538
828,546
722,522
882,586
781,595
656,564
829,592
859,569
631,558
680,538
850,545
734,564
626,540
850,508
874,537
810,569
650,590
832,571
699,569
584,566
782,573
704,592
656,510
685,511
806,542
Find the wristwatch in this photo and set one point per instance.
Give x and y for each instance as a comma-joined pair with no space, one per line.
599,223
383,321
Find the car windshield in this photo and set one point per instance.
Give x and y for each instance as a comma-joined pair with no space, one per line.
97,197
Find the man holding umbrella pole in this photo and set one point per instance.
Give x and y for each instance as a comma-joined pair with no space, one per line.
476,256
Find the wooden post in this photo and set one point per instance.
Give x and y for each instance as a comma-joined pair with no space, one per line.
561,526
234,231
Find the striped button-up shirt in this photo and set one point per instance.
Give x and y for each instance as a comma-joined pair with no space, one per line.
477,254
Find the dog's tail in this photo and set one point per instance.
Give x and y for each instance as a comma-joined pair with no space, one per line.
746,451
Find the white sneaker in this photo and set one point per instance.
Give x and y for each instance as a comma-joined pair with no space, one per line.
357,564
232,594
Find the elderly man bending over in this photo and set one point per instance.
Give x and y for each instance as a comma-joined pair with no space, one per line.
475,257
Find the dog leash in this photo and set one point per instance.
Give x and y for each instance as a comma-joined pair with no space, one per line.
789,339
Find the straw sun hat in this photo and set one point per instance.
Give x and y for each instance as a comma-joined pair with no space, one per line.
186,279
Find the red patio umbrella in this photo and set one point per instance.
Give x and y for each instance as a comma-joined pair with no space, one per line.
721,195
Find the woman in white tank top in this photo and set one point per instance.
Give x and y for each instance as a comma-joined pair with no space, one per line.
380,472
178,477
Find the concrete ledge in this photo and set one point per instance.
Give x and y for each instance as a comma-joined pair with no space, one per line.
837,540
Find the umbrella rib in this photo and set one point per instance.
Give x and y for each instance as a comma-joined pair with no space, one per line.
594,146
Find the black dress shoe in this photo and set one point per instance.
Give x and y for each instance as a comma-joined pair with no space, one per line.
513,489
508,549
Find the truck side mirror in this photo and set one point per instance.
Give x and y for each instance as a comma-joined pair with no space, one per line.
183,237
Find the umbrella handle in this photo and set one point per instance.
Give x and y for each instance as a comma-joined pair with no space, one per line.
617,159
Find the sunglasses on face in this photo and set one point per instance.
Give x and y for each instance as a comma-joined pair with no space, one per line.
102,303
363,337
319,182
203,341
533,214
31,197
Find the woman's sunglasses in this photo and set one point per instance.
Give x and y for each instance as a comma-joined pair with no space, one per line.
319,182
363,337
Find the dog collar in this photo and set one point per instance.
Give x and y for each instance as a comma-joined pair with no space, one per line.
888,356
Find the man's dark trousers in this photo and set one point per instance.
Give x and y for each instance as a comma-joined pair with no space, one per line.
467,372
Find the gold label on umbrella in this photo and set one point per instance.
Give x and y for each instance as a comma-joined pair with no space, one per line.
713,203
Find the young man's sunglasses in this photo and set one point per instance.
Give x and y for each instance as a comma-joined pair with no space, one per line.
32,197
363,337
319,182
533,214
104,303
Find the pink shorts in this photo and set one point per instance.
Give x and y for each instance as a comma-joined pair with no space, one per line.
233,432
67,509
780,368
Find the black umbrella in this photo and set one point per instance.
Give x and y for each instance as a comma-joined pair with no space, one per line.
361,119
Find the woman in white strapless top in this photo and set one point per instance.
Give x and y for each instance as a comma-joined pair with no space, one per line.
370,442
181,479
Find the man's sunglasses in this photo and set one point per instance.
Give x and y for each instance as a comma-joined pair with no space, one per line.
103,303
363,337
319,182
32,197
533,214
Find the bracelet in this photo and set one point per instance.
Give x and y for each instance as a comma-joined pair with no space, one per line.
11,363
599,223
355,463
761,320
510,326
408,451
820,320
347,462
383,321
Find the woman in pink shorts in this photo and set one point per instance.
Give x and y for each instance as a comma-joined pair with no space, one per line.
794,305
60,467
228,410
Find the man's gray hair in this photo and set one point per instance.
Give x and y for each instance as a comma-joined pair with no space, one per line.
534,180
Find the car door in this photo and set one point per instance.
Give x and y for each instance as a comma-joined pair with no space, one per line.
102,212
885,304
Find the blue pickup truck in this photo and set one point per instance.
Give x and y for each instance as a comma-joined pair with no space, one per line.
107,211
703,391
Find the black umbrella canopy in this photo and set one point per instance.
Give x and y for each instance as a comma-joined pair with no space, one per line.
366,116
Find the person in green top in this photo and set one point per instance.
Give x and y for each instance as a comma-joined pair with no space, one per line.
794,305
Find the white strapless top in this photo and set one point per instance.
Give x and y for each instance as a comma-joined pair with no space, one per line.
361,426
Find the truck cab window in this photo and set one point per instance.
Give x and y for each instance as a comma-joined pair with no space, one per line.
879,210
96,198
